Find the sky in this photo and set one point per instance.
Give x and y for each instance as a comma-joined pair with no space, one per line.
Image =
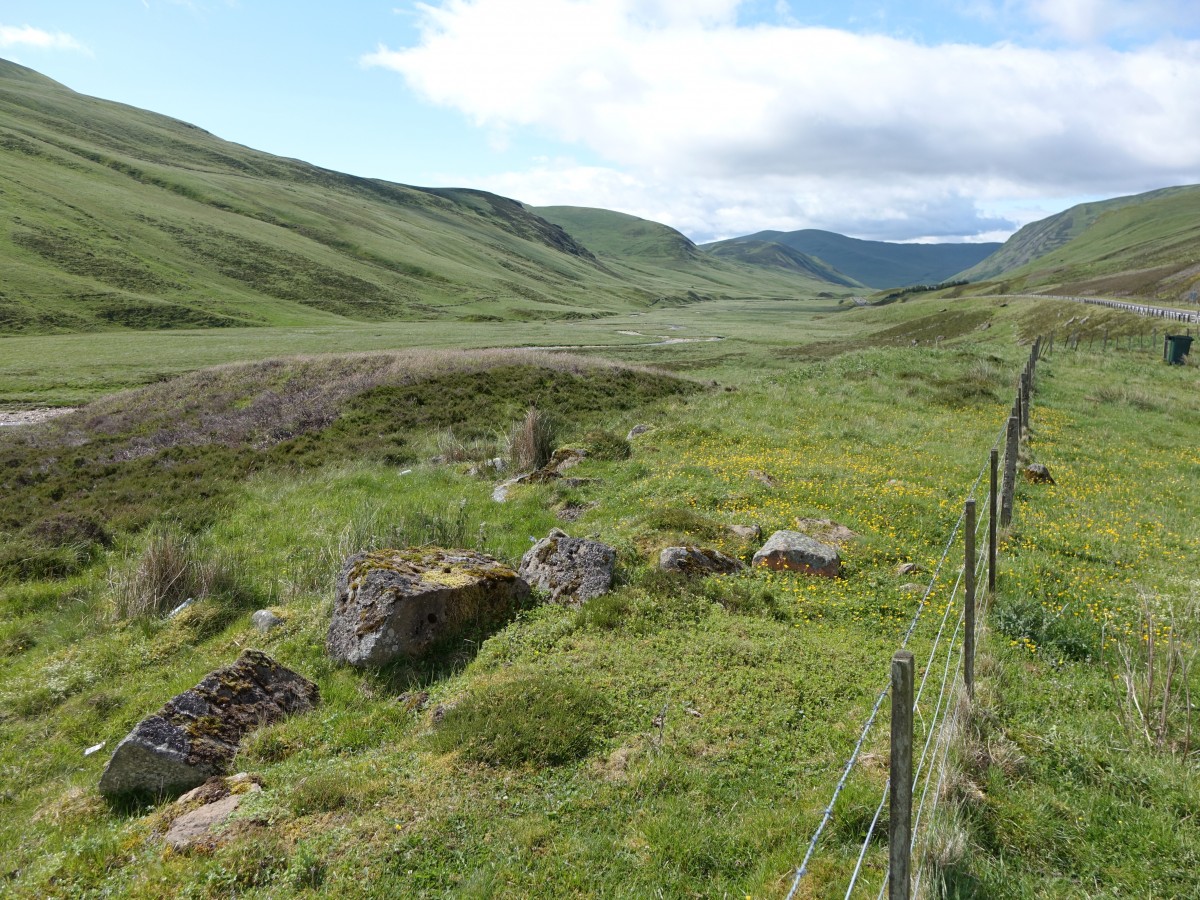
930,120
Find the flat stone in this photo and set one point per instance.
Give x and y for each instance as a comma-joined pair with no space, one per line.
746,532
698,561
196,734
792,551
908,568
571,570
265,620
825,530
399,603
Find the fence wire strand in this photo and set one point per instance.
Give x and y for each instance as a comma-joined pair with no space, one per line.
939,712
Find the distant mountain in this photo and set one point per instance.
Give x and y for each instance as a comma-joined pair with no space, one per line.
648,247
879,264
115,217
1145,245
778,256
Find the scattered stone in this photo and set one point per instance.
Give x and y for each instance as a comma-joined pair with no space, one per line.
746,532
196,734
795,552
498,463
398,603
414,701
265,620
912,588
698,561
217,799
565,458
638,431
571,569
826,530
908,568
577,482
1036,473
762,476
572,512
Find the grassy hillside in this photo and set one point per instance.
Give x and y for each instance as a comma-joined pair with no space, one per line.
704,722
658,252
1143,246
118,218
778,256
880,264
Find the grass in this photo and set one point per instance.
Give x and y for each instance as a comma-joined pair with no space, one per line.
675,736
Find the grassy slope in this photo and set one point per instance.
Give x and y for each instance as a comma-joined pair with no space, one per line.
114,217
780,256
880,264
764,679
1142,246
656,251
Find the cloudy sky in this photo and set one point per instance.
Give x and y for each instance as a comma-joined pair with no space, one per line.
914,120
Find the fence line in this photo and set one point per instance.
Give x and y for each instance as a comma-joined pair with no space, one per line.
941,725
1142,309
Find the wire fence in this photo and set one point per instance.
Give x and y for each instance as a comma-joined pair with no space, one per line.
945,667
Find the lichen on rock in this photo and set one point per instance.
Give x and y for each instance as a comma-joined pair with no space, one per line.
399,603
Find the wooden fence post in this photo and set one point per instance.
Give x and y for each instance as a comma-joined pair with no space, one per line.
993,492
1010,470
900,808
969,601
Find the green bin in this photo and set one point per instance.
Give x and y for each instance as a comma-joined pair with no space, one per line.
1176,348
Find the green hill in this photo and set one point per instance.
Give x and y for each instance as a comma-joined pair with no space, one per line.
654,252
1143,245
114,217
616,234
880,264
779,256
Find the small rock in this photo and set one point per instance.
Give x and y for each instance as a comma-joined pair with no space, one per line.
414,701
792,551
197,733
572,512
1036,473
265,620
762,476
497,463
571,569
912,588
398,603
698,561
746,532
577,482
908,568
218,798
565,458
825,530
638,431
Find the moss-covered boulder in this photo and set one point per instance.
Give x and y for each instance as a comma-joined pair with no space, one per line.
571,570
399,603
196,734
698,561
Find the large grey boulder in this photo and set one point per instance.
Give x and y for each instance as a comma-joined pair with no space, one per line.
571,570
698,561
792,551
398,603
196,734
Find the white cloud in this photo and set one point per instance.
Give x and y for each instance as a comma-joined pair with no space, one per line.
28,36
1092,20
832,125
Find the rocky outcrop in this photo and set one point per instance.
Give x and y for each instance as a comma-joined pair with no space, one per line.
792,551
698,561
196,734
399,603
571,570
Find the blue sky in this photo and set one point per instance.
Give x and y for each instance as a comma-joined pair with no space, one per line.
920,120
